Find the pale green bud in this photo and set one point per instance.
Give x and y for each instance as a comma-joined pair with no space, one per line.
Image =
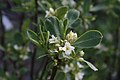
71,36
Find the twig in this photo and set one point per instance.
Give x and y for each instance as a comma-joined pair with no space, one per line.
2,31
53,73
34,48
54,70
32,62
44,68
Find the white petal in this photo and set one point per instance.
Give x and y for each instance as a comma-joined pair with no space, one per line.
53,39
64,48
53,36
66,69
72,48
67,52
67,44
79,76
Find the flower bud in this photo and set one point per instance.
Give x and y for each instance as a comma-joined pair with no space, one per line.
53,40
82,53
49,13
71,37
51,10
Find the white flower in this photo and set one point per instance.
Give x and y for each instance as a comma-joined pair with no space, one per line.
24,57
71,36
50,12
79,76
66,68
47,13
72,3
68,48
16,47
53,39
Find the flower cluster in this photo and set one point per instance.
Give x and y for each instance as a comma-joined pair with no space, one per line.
75,69
63,46
72,58
65,50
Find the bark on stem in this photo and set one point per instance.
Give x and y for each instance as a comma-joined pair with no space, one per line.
53,73
34,48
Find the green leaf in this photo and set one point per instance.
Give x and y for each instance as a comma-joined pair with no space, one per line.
61,29
91,65
65,23
25,26
86,6
33,37
18,38
47,36
52,25
60,76
89,39
60,12
41,35
77,23
99,8
72,16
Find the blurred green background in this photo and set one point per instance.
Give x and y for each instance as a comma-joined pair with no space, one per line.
16,16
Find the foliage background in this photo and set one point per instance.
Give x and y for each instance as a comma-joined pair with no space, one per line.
102,15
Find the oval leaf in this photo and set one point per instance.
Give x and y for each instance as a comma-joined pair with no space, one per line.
89,39
52,25
86,6
72,16
60,12
25,26
33,37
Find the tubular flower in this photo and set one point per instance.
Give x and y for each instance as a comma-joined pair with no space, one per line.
66,68
53,39
68,48
71,37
